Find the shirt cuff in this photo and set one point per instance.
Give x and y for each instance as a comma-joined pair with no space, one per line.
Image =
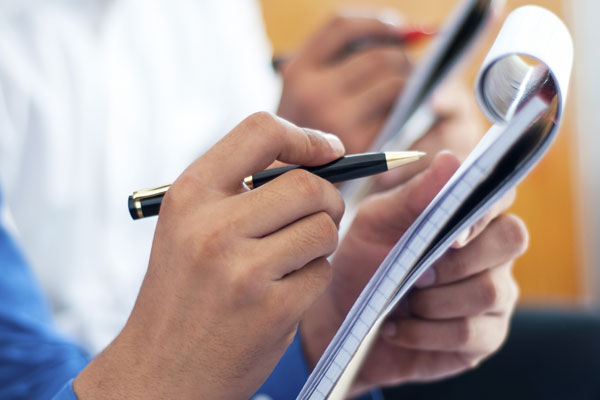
66,393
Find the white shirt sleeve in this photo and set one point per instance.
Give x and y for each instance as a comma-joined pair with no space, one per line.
100,98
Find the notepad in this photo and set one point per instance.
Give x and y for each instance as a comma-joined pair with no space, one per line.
522,88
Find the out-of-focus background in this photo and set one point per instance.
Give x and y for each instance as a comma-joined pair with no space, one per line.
558,200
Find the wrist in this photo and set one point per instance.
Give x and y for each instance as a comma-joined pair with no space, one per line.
111,374
143,363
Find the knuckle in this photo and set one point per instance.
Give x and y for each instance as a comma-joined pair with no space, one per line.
261,118
180,193
242,287
338,22
313,140
319,277
464,332
308,185
327,228
460,265
319,237
264,124
515,234
488,291
210,245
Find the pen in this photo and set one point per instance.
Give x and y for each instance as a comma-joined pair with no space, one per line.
146,203
405,37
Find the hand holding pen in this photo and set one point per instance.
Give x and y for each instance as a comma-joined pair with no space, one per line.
147,203
231,269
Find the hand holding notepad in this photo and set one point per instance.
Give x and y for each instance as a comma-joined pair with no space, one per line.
522,88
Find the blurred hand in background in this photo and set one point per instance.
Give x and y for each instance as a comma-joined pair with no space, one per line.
330,86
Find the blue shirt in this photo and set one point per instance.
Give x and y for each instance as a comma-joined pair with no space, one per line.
36,362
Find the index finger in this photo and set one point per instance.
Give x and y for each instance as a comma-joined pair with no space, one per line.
504,240
336,36
258,141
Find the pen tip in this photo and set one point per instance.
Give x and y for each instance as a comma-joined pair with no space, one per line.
397,158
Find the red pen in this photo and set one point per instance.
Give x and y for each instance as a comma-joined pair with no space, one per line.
413,35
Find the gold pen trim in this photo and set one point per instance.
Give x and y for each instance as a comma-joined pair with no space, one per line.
394,159
146,193
138,208
249,182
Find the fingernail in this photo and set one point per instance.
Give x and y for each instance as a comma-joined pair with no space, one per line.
427,279
389,330
461,240
336,144
391,17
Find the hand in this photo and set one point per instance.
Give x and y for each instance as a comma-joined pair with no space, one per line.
460,313
231,271
458,129
347,94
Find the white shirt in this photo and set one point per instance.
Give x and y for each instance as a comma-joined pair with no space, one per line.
100,98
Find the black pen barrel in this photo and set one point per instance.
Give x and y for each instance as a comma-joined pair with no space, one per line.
343,169
146,207
146,203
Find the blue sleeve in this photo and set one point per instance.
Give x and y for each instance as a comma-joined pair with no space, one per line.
35,360
289,376
66,393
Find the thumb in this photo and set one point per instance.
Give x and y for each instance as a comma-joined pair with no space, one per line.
388,215
256,143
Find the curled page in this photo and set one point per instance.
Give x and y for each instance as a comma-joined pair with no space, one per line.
522,88
533,45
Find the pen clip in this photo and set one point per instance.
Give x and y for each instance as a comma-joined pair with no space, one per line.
149,193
